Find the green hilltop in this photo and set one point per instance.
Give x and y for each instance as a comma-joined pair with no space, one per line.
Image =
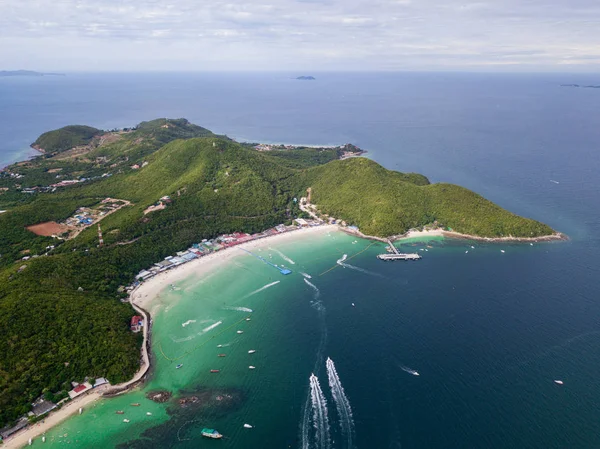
65,138
60,315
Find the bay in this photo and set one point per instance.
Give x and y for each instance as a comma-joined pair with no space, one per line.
487,331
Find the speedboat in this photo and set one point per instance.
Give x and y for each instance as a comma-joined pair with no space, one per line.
149,413
252,367
219,346
353,305
247,426
222,355
179,366
214,370
501,250
559,382
125,420
247,319
252,351
240,332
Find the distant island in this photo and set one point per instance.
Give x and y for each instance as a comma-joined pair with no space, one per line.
306,78
5,73
98,210
577,85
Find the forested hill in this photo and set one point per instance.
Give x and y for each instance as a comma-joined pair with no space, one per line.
60,314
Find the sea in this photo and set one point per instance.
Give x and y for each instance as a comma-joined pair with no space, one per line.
488,328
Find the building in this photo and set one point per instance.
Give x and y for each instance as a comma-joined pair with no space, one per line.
137,322
41,406
100,381
79,389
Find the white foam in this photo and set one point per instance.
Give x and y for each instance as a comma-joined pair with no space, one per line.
187,323
239,309
261,289
283,256
342,403
320,415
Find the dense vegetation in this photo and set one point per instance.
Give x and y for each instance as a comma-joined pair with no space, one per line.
383,202
51,332
66,138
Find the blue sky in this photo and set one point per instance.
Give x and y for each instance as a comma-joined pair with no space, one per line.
307,35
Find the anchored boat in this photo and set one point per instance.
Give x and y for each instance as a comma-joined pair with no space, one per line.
211,433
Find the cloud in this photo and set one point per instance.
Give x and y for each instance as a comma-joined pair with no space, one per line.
300,34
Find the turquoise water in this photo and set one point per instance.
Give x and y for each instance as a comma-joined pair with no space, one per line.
487,331
407,316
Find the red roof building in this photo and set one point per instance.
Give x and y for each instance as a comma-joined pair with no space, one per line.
136,323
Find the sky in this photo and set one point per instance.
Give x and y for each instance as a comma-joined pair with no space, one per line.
308,35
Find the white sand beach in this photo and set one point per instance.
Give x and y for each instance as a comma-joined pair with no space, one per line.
144,295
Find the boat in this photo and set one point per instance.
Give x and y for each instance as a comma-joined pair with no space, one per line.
125,420
219,346
501,250
179,366
559,382
214,370
80,410
119,412
222,355
252,351
247,319
353,305
240,332
252,367
135,404
467,252
149,413
44,439
30,441
247,426
211,433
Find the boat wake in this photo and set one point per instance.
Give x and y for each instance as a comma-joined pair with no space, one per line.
283,256
306,275
211,327
408,370
314,287
341,263
320,417
187,323
342,403
181,340
239,309
261,289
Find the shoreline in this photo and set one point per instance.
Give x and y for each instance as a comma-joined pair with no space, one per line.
411,234
142,299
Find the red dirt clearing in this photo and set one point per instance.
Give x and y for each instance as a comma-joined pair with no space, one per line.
48,228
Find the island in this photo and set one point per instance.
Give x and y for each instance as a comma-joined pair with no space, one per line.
6,73
306,78
99,211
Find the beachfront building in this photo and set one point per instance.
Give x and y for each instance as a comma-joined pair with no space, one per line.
100,381
79,390
137,322
42,406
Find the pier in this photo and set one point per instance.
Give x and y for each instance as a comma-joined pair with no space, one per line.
396,255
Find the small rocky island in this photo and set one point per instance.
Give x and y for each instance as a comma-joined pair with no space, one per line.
306,78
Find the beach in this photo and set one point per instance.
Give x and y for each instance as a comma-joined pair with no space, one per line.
143,300
145,294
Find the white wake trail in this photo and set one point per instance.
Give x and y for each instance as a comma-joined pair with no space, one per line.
283,256
239,309
187,323
314,287
341,263
261,289
211,327
306,275
320,417
342,403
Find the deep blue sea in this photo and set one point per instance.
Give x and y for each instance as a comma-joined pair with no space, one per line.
488,332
